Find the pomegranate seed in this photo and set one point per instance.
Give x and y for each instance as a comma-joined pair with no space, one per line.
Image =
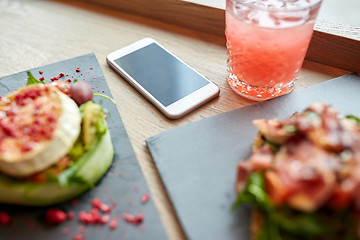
79,237
105,218
55,216
113,223
4,218
145,198
96,203
105,208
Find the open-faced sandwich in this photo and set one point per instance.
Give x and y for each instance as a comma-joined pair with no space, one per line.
51,147
303,177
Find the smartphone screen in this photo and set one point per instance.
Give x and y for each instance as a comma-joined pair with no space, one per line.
161,74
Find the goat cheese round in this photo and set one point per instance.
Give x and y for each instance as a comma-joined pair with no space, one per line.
38,126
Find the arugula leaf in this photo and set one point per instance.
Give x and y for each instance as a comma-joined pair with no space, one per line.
254,193
299,223
353,117
32,79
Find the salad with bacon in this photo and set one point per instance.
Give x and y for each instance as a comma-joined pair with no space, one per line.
303,177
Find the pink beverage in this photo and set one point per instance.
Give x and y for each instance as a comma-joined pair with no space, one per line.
267,41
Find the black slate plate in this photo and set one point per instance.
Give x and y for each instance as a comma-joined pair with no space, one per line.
123,184
197,161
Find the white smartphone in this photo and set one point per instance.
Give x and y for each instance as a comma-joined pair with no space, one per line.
165,80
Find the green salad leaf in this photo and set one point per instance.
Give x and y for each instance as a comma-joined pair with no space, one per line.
355,118
284,222
32,79
254,193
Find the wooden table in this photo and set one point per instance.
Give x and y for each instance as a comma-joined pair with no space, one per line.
36,33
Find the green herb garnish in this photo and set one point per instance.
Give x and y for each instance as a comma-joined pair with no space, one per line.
32,79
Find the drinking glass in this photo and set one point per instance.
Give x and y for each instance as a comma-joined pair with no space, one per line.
266,44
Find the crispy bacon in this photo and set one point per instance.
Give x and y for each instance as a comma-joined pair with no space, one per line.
259,161
316,165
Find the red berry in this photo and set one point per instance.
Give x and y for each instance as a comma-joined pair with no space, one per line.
55,216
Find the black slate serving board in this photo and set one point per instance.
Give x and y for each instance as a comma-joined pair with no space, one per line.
123,185
197,162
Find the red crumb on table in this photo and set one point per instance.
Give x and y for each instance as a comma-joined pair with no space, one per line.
54,79
91,68
42,79
61,75
135,220
55,216
96,203
79,237
78,69
66,230
105,208
145,198
113,223
70,215
4,218
81,229
69,80
105,218
40,72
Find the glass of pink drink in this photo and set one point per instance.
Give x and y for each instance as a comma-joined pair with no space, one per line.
267,41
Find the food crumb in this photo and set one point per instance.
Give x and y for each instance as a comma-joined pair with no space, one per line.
81,229
4,218
105,208
42,79
105,218
78,69
70,215
79,237
145,198
113,223
66,230
96,203
40,72
135,220
55,216
54,78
